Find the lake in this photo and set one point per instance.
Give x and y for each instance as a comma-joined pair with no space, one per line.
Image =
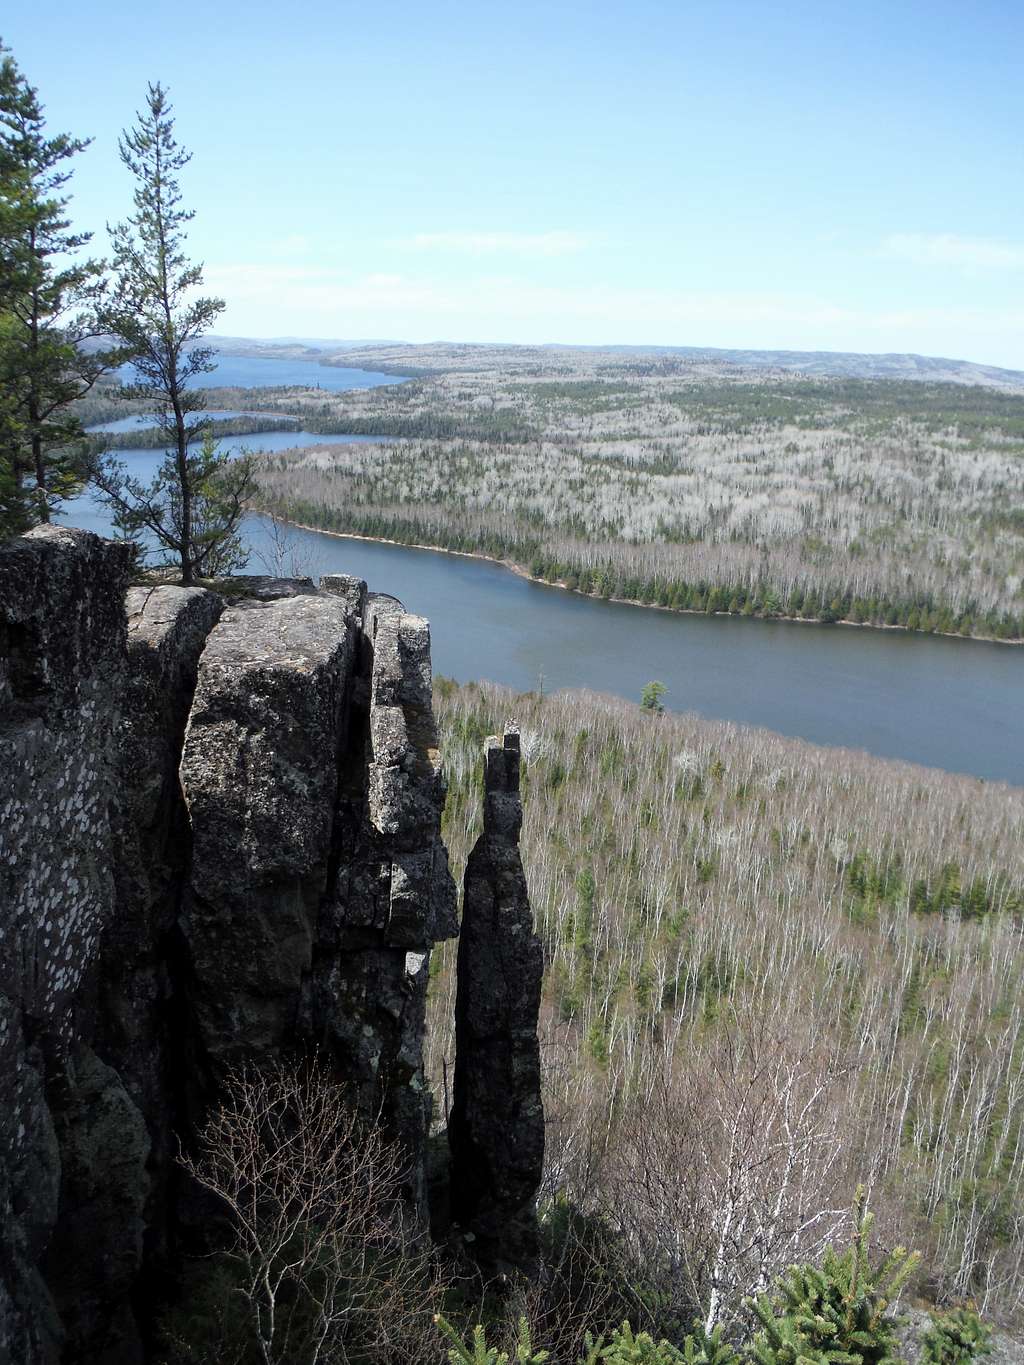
254,372
948,703
89,511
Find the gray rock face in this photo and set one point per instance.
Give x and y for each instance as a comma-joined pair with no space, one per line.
220,840
94,1258
318,881
62,646
133,1003
167,630
496,1132
392,895
259,773
95,693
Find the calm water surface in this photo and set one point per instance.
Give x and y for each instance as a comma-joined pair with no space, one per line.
253,372
948,703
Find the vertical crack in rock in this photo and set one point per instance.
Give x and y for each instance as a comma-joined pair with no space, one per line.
496,1132
392,896
135,993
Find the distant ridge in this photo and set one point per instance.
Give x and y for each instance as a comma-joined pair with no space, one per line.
291,347
442,355
850,364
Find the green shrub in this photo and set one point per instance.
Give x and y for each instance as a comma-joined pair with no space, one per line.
590,1276
956,1338
651,696
708,1348
837,1315
627,1349
482,1354
208,1323
624,1348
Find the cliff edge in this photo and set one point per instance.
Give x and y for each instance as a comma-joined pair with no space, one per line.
220,842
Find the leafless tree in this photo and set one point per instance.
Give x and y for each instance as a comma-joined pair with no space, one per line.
728,1169
285,554
325,1256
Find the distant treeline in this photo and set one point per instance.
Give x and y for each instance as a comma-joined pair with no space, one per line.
918,612
503,424
865,404
152,438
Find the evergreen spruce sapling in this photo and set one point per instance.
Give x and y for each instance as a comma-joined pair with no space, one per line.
956,1338
707,1348
479,1353
629,1348
838,1314
651,697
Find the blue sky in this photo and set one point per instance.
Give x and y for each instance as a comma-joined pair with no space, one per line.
799,175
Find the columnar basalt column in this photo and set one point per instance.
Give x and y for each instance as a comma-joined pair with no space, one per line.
496,1131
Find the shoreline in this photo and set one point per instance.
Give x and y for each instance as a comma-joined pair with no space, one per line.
522,572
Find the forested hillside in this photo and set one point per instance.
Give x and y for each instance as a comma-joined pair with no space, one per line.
688,485
772,971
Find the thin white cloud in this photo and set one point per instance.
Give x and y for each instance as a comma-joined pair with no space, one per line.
947,249
555,243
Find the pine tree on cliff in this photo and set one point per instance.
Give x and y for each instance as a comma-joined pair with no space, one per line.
14,512
48,296
192,508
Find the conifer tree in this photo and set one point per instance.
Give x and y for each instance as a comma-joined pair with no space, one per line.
651,697
479,1353
193,506
957,1337
48,295
629,1348
13,513
838,1314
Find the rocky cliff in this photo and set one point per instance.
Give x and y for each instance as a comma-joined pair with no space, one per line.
220,840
